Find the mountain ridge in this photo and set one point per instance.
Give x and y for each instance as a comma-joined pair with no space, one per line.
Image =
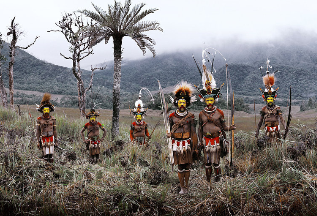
296,61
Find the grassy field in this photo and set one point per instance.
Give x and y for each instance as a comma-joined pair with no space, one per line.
279,179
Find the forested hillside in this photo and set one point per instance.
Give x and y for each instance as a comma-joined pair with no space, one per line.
294,57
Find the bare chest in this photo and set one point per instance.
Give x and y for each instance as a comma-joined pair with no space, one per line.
93,130
180,125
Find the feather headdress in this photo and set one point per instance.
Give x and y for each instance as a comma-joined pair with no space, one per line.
92,113
208,82
139,109
184,90
269,81
46,103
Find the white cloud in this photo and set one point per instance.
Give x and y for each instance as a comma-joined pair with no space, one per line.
186,23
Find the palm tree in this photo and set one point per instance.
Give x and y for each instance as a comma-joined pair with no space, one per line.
119,21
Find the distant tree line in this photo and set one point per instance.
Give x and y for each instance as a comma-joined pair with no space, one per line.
310,104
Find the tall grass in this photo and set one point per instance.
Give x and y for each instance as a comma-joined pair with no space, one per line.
134,179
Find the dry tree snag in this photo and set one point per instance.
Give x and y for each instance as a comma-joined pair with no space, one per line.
3,91
81,37
16,33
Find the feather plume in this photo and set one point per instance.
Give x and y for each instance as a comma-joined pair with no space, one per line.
183,88
207,75
269,80
46,98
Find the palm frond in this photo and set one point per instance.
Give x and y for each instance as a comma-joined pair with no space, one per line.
92,15
125,12
134,13
145,26
138,17
120,20
144,42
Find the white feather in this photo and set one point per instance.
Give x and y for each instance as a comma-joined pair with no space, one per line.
138,102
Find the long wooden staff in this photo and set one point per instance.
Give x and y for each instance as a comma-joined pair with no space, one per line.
254,113
155,127
289,112
166,123
232,131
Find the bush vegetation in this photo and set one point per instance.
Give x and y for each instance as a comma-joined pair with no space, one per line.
138,180
308,105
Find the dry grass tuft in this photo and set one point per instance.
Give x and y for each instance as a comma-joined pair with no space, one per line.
138,180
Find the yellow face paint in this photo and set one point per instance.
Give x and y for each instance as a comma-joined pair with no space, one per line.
270,100
209,101
46,110
92,118
181,105
181,102
138,118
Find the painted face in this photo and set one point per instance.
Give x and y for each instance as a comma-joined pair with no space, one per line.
181,105
92,118
209,102
138,117
270,101
46,110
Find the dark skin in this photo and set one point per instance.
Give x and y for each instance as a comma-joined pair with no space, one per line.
271,115
46,117
94,132
209,125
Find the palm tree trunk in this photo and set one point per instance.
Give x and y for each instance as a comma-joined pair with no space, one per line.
117,42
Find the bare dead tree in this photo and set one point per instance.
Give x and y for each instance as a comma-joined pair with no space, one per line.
16,33
3,91
81,37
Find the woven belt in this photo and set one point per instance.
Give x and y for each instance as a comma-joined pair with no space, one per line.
180,144
272,129
211,141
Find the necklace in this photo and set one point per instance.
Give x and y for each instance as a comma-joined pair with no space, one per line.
181,113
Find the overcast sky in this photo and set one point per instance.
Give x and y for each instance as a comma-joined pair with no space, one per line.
186,24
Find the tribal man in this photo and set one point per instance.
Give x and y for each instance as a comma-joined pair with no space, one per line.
183,133
212,127
271,114
139,128
46,134
93,142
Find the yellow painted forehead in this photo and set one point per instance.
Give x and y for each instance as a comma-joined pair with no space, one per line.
209,99
46,109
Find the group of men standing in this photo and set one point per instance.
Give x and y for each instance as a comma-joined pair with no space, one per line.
183,137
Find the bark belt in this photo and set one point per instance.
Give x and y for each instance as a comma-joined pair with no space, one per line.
181,135
181,122
271,124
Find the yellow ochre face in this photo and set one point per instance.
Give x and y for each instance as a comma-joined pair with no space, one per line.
46,110
181,105
92,118
138,117
270,100
209,101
